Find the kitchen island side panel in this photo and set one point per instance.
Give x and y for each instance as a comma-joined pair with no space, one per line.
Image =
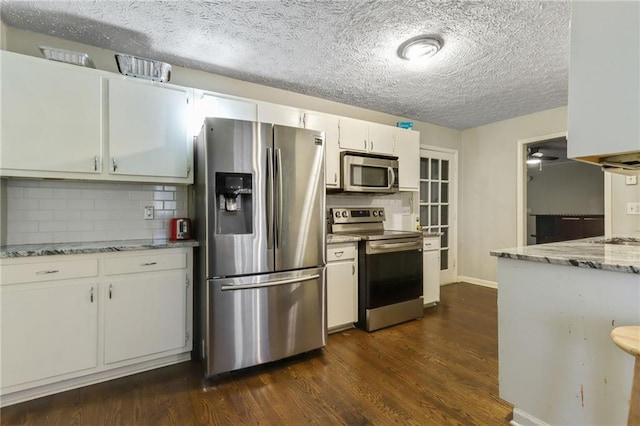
557,362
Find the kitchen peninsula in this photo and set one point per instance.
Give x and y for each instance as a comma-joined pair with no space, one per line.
557,304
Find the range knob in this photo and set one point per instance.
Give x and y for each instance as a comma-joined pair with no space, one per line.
337,214
381,213
375,213
345,214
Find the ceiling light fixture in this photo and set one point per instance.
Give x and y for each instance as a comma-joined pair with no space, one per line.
420,47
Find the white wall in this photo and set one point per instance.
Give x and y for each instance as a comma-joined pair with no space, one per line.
487,176
621,194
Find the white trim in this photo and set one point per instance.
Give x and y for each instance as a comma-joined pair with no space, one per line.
607,203
477,281
522,418
455,206
521,191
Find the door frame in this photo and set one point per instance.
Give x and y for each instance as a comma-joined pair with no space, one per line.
521,191
453,210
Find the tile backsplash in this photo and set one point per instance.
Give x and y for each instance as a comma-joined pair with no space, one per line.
49,211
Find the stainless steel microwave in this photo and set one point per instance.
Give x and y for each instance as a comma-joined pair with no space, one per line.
369,173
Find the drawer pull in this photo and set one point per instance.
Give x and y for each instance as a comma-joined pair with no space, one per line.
110,289
149,264
338,253
91,295
52,271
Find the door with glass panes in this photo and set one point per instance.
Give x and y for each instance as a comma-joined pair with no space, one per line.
438,172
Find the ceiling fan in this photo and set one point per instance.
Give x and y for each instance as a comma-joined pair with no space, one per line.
534,156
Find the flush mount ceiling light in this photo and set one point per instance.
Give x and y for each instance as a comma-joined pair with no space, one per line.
420,47
66,56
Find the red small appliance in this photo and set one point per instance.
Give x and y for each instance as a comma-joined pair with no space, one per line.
180,229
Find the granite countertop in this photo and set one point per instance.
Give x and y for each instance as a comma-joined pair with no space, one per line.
620,253
52,249
337,238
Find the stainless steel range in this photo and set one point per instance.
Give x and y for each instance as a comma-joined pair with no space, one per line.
389,267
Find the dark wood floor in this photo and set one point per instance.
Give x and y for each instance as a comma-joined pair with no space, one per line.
441,370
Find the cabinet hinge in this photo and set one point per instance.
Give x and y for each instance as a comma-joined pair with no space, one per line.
186,279
188,169
186,337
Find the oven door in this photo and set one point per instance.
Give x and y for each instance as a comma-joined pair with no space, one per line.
392,272
369,174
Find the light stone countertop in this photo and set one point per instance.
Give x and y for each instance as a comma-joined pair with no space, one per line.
593,253
337,238
29,250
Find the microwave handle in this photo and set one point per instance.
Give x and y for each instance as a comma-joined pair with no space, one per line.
392,177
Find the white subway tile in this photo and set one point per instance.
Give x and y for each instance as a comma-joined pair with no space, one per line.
95,215
38,193
15,192
15,239
53,204
22,204
67,194
37,215
164,214
20,227
80,204
170,205
170,188
164,196
66,237
141,195
24,183
94,236
160,234
37,237
94,194
150,187
80,225
52,226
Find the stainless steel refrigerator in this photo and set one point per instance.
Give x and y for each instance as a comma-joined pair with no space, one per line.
260,220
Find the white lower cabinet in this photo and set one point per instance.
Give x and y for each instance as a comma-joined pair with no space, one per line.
48,331
431,270
73,320
342,285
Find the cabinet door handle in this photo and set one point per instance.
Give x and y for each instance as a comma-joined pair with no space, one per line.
335,178
95,163
353,269
365,144
91,295
51,271
114,163
110,290
149,264
338,253
371,144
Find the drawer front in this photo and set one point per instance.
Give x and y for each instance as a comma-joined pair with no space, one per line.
49,271
431,243
340,251
146,263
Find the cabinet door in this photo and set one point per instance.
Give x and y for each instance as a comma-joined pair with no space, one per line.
342,290
144,314
48,330
408,151
604,104
353,135
148,130
381,139
431,271
51,116
214,106
329,125
279,114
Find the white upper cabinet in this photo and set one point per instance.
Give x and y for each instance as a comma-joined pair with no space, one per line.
363,136
329,125
209,105
604,82
408,151
279,114
51,117
148,131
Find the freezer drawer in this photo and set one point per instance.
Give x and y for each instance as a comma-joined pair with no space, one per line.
263,318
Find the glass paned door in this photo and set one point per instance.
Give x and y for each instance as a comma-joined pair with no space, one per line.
436,209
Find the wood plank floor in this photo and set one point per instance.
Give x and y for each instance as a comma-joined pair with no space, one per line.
441,370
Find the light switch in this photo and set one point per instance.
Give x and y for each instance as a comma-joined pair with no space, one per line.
631,180
633,208
148,212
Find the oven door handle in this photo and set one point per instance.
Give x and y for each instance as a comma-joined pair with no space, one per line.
375,248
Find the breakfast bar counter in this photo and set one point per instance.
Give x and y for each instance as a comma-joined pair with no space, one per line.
557,304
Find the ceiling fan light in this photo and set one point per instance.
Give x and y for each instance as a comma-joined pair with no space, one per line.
533,160
420,47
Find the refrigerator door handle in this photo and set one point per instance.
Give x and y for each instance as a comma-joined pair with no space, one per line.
269,199
279,197
270,284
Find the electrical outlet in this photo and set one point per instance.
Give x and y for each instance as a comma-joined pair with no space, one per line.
148,212
631,180
633,208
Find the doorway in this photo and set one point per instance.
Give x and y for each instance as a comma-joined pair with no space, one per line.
438,204
559,199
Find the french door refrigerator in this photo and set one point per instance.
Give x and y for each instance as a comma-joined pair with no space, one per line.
260,221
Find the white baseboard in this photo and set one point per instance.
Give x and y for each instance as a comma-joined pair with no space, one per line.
477,281
522,418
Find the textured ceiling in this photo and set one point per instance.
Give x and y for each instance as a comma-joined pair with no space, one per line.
500,59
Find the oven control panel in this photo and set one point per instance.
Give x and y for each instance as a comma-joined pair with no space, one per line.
357,215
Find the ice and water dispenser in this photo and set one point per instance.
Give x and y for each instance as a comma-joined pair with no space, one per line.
234,203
